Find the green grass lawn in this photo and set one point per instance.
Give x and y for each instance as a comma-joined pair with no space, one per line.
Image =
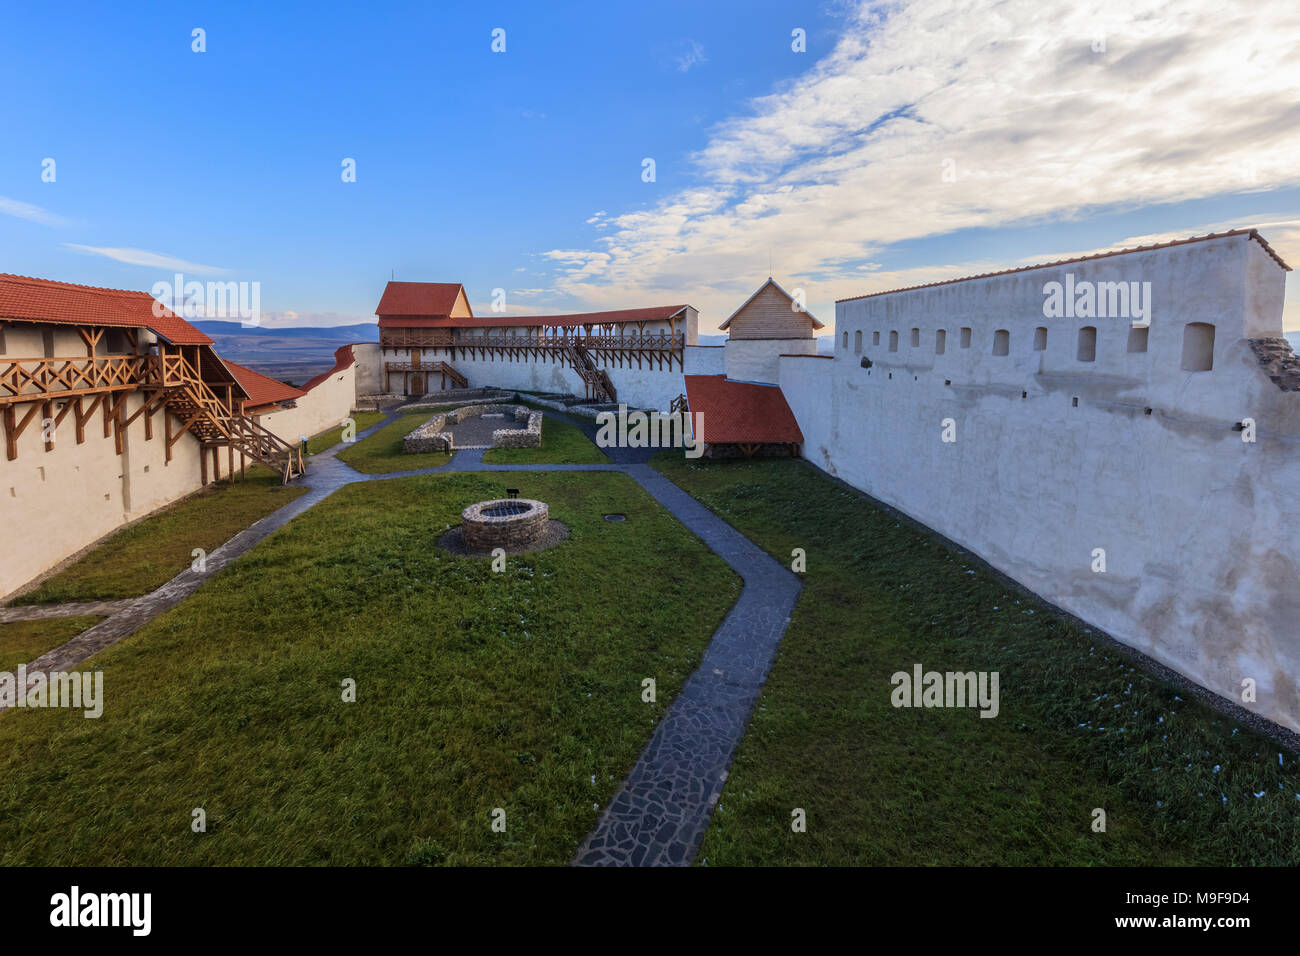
1079,728
474,690
332,436
562,444
23,641
148,554
382,454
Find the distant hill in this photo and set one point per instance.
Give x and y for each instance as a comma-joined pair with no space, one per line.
361,332
289,355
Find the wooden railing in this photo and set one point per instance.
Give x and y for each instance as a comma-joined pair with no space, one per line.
662,341
420,338
213,421
552,338
437,368
26,379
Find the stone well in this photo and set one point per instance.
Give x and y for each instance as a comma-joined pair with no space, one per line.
511,523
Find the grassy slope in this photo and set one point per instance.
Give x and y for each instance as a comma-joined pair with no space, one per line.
475,690
24,641
382,454
920,786
562,444
146,555
332,436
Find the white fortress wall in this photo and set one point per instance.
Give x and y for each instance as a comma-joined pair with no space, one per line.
1055,456
327,404
805,383
368,368
54,503
705,360
758,360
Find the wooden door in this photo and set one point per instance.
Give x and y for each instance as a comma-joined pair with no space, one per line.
417,384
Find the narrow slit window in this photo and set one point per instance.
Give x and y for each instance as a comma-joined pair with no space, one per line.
846,341
940,341
1087,351
1040,339
1198,347
875,337
857,342
1002,342
916,338
965,337
1137,338
893,341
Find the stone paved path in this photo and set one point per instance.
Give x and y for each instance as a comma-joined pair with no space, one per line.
43,612
660,813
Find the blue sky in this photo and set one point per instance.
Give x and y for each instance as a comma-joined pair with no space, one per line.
909,143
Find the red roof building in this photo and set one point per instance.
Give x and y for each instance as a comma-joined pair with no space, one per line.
263,391
743,414
25,299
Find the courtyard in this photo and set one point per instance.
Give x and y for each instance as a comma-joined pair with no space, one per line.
519,691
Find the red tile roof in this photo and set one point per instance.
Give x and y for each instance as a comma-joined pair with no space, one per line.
741,412
418,298
44,300
343,358
1250,233
656,313
262,390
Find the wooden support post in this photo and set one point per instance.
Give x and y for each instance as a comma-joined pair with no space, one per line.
116,416
203,468
83,417
14,429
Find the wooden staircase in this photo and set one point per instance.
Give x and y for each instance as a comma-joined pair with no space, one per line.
205,416
599,387
460,380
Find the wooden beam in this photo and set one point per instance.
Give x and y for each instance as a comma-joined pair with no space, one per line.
14,429
82,418
116,417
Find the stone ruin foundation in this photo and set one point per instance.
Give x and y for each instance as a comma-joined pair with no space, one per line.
434,435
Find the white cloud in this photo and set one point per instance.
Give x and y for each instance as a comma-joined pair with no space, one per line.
1185,101
25,210
142,257
681,55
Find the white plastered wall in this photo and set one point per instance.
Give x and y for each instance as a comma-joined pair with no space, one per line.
1056,457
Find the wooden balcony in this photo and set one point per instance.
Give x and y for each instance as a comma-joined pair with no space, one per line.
42,379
